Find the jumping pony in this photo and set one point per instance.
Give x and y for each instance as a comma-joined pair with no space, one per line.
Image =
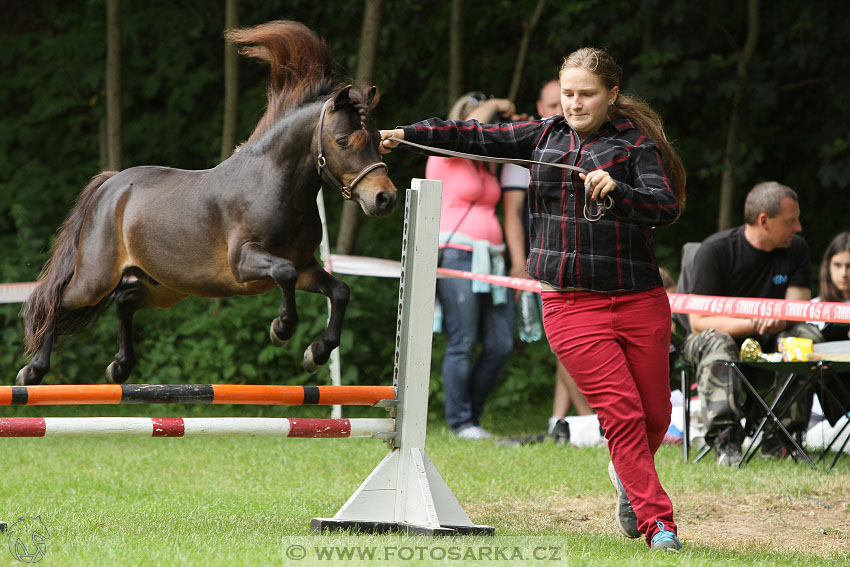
148,237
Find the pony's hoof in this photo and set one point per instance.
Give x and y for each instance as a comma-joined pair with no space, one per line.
26,377
273,336
114,374
310,364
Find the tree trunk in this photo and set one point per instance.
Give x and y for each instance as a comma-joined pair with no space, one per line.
528,29
727,184
647,18
113,84
350,221
231,83
103,144
455,53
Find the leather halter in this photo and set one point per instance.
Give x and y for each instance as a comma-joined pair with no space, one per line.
322,162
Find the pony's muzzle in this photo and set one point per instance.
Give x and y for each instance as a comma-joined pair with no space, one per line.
377,200
385,202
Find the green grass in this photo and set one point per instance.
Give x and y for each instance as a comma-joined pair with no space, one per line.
140,501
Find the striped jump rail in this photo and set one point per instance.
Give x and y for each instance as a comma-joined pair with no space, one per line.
383,428
246,394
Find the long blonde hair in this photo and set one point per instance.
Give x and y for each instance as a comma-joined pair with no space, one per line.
646,120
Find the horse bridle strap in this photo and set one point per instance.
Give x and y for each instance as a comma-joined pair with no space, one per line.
601,208
322,162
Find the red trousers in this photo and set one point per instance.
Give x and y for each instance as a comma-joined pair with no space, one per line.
616,348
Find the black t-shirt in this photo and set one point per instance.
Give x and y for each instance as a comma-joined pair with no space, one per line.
727,265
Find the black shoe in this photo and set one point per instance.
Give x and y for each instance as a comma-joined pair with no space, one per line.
561,432
775,446
727,448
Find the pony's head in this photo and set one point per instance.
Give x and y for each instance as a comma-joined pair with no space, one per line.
302,71
347,150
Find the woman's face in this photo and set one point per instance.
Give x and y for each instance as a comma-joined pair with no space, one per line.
839,272
585,100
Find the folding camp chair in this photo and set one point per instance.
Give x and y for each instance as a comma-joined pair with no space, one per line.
686,371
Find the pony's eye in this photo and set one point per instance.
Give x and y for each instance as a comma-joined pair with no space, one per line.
342,141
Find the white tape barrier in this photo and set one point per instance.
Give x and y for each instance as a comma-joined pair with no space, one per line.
15,292
679,303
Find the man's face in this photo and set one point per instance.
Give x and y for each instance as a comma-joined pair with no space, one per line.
783,227
549,103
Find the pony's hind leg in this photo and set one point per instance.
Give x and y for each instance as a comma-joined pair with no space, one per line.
126,303
316,280
33,373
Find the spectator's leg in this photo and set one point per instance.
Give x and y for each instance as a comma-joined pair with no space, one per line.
719,388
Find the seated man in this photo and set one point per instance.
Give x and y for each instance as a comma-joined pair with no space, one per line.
762,258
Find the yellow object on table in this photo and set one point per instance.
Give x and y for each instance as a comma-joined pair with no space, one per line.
795,349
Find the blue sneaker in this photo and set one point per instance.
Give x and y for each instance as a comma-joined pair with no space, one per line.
665,540
624,515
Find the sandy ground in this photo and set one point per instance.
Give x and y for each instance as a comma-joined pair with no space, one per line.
816,525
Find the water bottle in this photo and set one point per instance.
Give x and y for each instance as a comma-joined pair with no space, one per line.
438,317
530,325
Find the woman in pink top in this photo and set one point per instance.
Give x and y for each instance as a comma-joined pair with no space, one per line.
473,312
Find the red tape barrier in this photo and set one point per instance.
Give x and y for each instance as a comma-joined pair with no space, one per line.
679,303
782,309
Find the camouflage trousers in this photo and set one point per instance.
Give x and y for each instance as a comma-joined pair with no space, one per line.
720,390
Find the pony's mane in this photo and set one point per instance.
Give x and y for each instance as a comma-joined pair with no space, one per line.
361,100
301,68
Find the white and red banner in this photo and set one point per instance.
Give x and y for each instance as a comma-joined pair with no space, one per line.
760,308
679,303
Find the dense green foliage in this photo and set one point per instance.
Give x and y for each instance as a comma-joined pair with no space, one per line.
679,54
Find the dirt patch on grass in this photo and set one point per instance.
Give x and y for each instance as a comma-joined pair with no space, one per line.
813,525
816,525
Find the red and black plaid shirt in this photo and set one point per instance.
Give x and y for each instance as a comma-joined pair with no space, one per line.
613,254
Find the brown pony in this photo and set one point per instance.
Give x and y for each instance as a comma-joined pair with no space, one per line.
149,236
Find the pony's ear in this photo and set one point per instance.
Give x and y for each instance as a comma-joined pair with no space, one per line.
342,97
372,97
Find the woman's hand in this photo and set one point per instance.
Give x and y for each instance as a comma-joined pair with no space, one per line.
518,271
598,182
503,107
387,145
491,109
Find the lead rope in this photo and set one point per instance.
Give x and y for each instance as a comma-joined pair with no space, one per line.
601,208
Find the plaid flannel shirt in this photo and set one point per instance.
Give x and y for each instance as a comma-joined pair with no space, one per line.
611,255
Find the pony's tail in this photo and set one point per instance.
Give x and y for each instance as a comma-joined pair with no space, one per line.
41,311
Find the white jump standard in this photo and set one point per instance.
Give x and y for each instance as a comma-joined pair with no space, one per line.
405,492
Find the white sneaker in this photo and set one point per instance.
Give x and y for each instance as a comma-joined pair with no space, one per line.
473,432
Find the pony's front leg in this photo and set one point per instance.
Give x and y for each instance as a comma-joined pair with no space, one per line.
255,263
316,280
